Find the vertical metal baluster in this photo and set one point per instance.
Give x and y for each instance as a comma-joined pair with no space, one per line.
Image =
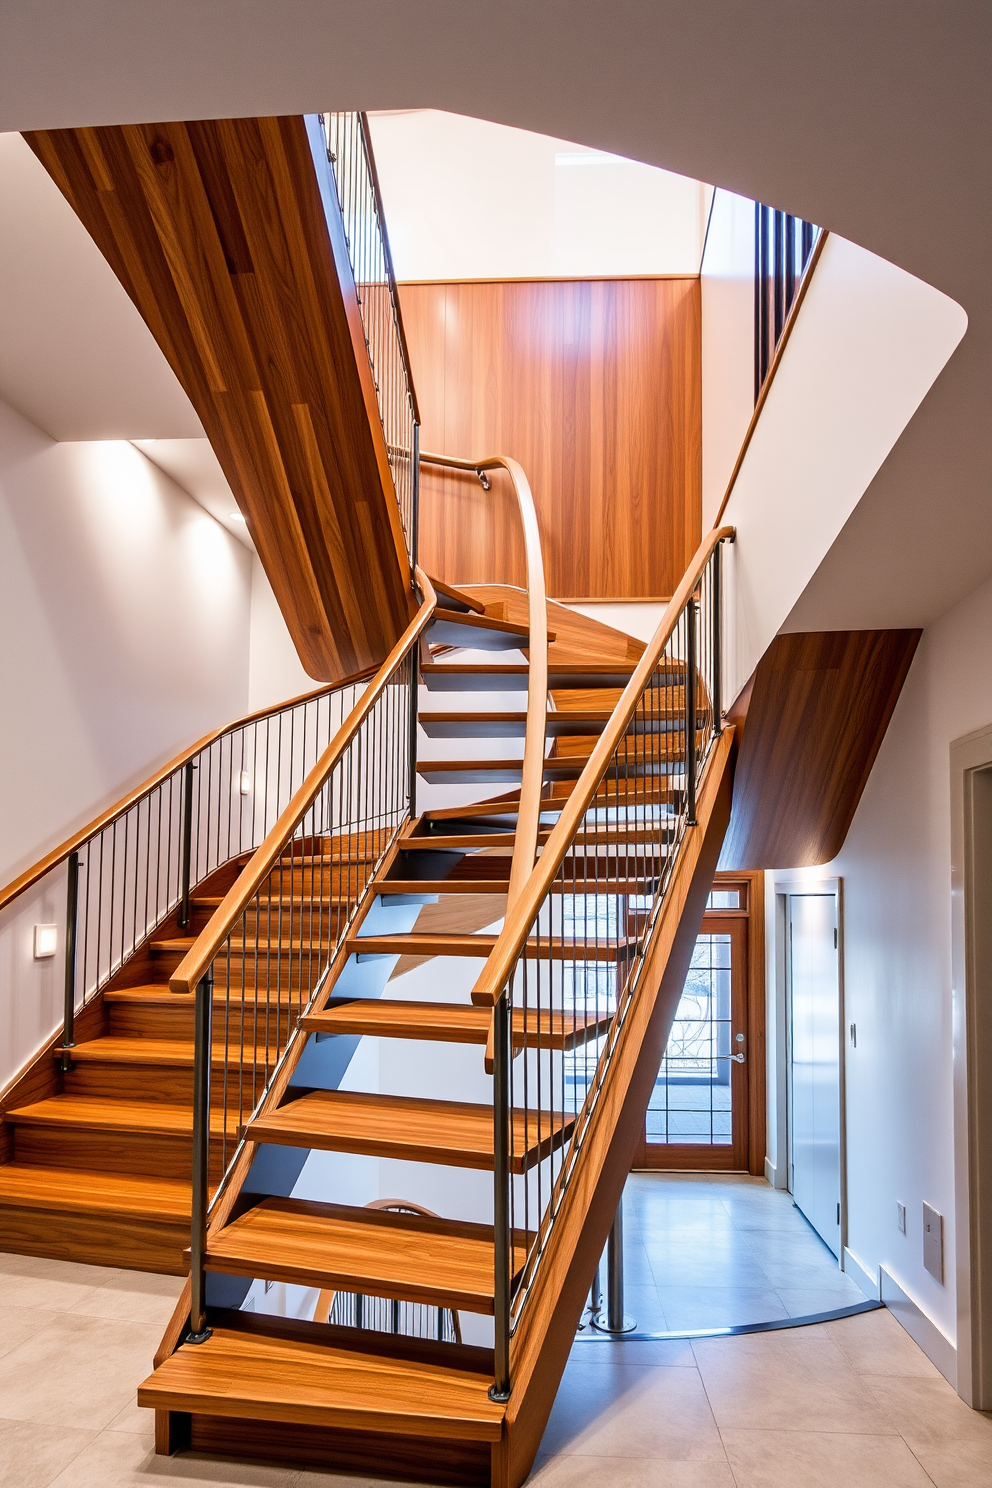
187,844
199,1332
71,911
502,1055
690,712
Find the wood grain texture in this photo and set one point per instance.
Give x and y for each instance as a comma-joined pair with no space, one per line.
594,386
275,1379
411,1257
816,717
452,1023
217,231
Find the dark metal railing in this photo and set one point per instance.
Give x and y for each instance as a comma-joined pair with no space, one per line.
139,863
783,247
263,958
573,958
349,150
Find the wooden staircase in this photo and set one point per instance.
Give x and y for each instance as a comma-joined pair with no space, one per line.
348,1397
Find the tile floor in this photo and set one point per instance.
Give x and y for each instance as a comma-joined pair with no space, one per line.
716,1250
850,1404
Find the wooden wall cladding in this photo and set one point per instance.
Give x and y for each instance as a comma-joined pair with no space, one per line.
816,716
594,386
218,233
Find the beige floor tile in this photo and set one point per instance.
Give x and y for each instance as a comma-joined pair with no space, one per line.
79,1371
138,1296
134,1419
809,1301
874,1343
31,1456
676,1353
633,1411
792,1380
572,1471
20,1323
786,1459
117,1460
953,1442
51,1286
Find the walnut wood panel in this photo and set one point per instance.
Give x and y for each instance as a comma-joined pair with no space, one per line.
816,716
594,386
217,231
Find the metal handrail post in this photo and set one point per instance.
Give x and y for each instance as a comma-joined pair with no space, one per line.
500,1389
617,1320
187,852
717,640
198,1330
690,713
71,913
415,501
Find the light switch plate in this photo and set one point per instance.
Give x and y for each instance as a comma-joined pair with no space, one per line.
900,1217
933,1243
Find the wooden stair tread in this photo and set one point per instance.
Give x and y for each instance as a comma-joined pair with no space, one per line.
102,1113
563,766
249,1375
453,1133
176,1053
182,944
474,945
29,1186
442,1262
471,620
479,724
450,1022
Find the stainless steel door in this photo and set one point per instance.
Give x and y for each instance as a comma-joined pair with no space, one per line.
815,1062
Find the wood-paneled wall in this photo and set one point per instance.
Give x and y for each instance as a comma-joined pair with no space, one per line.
594,386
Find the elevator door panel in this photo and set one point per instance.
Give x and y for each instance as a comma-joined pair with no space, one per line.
815,1062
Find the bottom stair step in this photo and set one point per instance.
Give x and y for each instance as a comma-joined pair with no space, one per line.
256,1376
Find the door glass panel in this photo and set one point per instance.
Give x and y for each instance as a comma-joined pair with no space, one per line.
691,1101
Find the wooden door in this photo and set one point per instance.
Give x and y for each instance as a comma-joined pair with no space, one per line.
707,1108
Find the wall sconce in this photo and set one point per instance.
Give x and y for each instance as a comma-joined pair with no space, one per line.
46,939
244,782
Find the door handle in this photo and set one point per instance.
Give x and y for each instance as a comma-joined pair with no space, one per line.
740,1057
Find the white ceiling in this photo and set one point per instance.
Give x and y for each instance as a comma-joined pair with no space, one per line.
874,120
76,358
467,199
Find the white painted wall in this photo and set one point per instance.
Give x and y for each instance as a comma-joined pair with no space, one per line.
275,670
468,199
727,291
866,347
124,609
896,872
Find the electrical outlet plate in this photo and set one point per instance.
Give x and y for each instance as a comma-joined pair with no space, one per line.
933,1242
901,1217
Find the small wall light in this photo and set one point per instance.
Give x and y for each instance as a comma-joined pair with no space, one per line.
46,939
244,782
237,517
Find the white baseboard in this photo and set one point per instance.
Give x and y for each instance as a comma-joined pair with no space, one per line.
859,1273
937,1346
772,1174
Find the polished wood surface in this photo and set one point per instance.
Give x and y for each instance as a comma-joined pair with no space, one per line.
217,231
440,1262
271,1378
816,716
595,387
532,772
452,1133
452,1023
198,958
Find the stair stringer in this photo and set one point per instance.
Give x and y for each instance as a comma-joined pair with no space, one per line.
544,1337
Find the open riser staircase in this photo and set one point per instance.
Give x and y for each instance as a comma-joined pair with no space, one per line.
313,959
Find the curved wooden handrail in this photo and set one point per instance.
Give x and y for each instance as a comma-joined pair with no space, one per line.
532,780
519,919
58,854
209,942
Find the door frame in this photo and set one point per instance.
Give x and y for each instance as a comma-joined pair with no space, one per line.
971,1033
786,889
753,918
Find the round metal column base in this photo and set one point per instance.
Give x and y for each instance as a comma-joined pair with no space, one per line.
602,1326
